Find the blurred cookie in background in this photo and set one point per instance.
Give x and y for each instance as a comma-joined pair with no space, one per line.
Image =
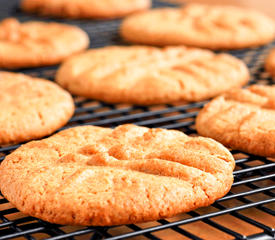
34,44
200,25
265,6
85,8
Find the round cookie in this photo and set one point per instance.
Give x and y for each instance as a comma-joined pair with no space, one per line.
148,75
31,108
242,119
33,44
270,63
198,25
97,176
85,8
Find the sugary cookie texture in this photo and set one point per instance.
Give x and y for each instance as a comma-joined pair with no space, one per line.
147,75
31,108
33,44
85,8
99,176
242,119
199,25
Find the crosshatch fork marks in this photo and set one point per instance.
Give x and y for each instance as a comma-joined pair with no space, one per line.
172,173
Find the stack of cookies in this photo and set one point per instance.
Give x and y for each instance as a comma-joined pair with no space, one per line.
90,175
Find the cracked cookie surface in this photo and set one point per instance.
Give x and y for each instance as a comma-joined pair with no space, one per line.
85,8
148,75
242,119
31,108
33,44
99,176
198,25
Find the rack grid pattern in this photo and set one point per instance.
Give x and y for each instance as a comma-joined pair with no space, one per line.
247,212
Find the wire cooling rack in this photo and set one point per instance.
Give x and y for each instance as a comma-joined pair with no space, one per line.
247,212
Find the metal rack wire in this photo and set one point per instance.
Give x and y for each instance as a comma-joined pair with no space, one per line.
247,212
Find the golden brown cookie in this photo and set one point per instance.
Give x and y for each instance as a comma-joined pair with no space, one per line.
99,176
31,108
33,44
148,75
270,63
242,119
198,25
85,8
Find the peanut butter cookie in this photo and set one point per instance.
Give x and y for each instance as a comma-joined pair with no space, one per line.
33,44
97,176
85,8
31,108
198,25
242,119
148,75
